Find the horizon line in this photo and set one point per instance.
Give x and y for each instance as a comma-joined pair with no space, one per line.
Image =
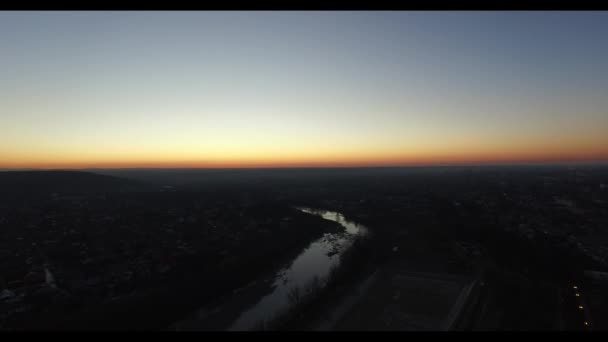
472,164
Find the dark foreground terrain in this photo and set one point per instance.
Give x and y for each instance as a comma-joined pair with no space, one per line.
464,248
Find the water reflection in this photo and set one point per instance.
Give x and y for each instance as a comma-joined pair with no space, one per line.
313,264
352,228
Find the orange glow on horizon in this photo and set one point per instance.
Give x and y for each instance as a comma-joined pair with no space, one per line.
329,160
322,152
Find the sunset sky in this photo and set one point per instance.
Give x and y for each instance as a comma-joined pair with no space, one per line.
247,89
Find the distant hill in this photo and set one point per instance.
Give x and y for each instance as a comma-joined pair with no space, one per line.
62,182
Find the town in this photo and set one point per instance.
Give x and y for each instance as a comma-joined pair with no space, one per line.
110,257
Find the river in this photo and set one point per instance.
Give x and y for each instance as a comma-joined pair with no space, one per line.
313,264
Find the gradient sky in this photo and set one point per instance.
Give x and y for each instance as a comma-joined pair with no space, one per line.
240,89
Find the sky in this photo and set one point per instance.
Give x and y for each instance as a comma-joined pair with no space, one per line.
274,89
